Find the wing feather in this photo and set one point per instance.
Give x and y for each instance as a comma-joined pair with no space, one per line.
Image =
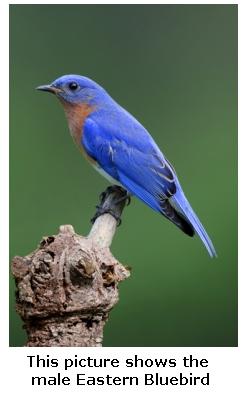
141,169
144,165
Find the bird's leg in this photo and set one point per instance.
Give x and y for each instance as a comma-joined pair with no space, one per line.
108,191
111,201
126,198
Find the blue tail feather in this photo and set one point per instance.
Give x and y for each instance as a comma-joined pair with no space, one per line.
181,204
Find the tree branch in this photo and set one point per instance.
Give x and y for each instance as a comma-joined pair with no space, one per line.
68,285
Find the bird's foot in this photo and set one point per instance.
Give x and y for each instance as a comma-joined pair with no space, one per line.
110,200
107,192
100,211
114,189
126,198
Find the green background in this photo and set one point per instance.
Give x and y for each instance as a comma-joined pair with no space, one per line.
174,67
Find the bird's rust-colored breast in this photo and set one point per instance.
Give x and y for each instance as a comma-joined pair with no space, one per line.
76,115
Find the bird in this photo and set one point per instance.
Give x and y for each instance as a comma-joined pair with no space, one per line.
119,147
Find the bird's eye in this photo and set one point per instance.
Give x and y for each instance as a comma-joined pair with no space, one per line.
73,86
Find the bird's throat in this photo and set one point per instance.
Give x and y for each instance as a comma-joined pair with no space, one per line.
76,115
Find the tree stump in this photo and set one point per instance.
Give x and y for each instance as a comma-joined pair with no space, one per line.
68,285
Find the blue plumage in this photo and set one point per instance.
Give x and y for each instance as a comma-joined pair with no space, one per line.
119,145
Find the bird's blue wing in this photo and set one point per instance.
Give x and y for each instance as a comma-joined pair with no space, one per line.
139,167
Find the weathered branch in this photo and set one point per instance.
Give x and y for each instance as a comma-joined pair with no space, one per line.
68,285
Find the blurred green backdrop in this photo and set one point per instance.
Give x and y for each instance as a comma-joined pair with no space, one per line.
174,67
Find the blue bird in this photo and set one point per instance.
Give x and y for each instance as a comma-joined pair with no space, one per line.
123,151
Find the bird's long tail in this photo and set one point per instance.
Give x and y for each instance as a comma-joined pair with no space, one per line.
181,204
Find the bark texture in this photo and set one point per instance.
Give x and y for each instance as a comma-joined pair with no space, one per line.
68,285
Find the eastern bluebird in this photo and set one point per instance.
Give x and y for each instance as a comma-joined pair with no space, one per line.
123,151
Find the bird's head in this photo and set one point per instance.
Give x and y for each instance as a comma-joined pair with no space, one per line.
74,89
80,97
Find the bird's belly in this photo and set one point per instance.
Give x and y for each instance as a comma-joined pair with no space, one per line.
106,175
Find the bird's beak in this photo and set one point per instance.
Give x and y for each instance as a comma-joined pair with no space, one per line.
49,88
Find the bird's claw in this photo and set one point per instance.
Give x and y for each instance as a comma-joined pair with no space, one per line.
128,200
100,211
102,208
107,192
102,196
